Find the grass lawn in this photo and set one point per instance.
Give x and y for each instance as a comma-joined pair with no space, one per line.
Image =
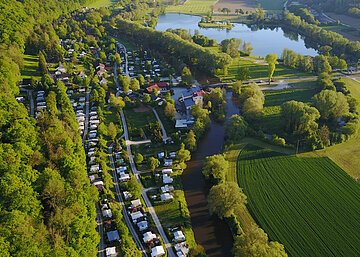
198,7
345,154
152,149
309,204
168,123
138,120
113,116
258,70
100,3
271,122
31,64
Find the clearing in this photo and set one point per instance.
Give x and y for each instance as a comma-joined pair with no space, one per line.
309,204
100,3
30,69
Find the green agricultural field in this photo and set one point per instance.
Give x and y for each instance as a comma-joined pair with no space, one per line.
30,69
309,204
198,7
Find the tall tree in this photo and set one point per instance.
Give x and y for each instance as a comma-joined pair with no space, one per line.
225,198
42,63
331,104
271,59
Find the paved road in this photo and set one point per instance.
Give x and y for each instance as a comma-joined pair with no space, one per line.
164,134
31,99
100,222
100,228
119,45
32,104
87,112
144,195
124,211
129,142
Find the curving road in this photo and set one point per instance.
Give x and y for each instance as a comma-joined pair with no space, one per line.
164,134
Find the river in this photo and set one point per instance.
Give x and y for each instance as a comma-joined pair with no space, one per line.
213,234
264,41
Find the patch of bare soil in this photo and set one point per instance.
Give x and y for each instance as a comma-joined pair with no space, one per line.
142,109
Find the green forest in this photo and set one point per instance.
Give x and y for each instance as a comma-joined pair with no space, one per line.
47,207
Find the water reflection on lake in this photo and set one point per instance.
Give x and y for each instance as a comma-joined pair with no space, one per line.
264,41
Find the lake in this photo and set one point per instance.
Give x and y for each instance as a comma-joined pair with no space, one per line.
264,41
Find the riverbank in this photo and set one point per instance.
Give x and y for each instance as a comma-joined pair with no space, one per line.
211,233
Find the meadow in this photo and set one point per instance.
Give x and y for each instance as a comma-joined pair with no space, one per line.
258,69
309,204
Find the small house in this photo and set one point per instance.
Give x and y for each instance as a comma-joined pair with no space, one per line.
168,162
166,197
157,251
161,155
135,203
179,236
148,237
167,189
136,215
124,177
143,225
111,252
107,213
167,179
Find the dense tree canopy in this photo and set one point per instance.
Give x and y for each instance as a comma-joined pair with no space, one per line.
235,128
224,198
331,104
215,168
